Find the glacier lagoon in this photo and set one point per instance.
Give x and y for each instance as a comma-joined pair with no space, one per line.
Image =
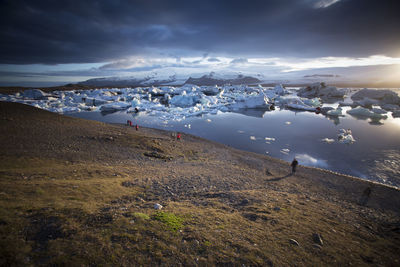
355,136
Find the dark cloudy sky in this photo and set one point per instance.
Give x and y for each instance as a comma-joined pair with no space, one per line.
74,40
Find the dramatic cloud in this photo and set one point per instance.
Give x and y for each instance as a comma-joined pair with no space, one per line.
54,32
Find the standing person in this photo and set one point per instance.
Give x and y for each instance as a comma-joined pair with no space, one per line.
137,127
178,136
294,165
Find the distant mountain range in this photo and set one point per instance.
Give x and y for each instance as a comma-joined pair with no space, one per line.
155,79
364,76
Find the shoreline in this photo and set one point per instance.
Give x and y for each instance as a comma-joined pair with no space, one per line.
78,192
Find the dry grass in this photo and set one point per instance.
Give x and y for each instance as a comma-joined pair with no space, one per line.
77,198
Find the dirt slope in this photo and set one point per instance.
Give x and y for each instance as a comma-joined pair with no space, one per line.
78,192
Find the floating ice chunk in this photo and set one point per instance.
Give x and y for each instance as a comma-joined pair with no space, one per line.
383,96
115,106
183,100
95,101
298,104
390,107
363,112
327,140
34,94
208,120
279,89
285,151
345,136
252,138
314,102
288,123
396,114
366,102
379,111
269,139
322,91
240,131
335,112
253,101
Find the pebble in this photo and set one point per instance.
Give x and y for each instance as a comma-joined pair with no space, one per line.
317,246
158,206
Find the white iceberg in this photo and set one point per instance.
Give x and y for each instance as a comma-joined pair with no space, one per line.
253,101
363,112
285,151
34,94
322,91
328,140
115,106
183,100
300,105
345,136
335,112
383,96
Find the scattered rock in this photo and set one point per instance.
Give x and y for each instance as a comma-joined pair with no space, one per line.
294,242
158,206
316,246
317,239
277,209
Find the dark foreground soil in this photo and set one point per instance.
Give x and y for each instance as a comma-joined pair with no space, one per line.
78,192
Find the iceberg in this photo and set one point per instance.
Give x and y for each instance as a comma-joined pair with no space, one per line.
326,93
396,114
363,112
382,96
345,136
253,101
335,112
183,100
279,89
300,105
115,106
34,94
328,140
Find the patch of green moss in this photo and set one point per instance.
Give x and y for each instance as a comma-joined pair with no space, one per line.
140,215
172,221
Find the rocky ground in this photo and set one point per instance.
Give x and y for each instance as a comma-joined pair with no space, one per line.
77,192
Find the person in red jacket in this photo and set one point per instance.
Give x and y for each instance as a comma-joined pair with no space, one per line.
178,136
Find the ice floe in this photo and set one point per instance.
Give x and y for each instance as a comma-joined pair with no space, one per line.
177,103
335,112
345,136
364,112
381,96
322,91
328,140
285,151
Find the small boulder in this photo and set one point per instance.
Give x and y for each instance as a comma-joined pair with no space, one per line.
158,206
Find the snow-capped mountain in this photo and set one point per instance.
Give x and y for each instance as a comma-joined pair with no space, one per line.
156,79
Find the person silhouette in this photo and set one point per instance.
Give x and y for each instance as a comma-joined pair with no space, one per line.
294,165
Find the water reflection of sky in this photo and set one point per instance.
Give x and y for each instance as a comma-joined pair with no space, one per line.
375,155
